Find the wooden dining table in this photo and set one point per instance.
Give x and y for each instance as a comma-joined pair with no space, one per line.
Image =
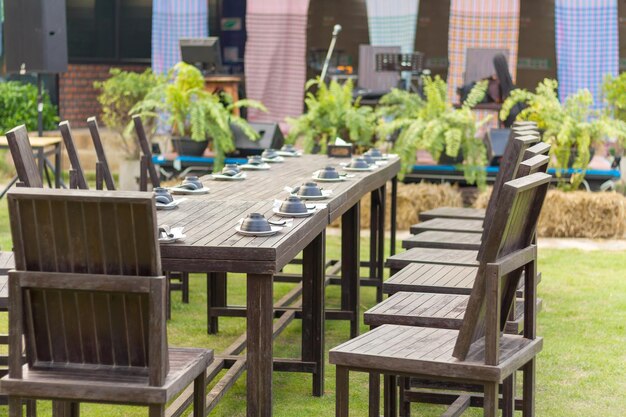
214,247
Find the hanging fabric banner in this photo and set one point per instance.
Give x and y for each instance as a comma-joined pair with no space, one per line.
171,21
275,57
393,23
587,45
492,24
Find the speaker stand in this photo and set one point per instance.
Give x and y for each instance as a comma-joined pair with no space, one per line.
39,104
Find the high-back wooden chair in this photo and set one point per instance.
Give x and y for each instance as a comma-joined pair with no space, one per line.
88,295
103,172
478,353
77,176
28,173
147,166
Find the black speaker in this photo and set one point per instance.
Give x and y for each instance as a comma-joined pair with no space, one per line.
496,141
271,137
35,36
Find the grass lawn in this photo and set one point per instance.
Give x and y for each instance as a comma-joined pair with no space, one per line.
581,371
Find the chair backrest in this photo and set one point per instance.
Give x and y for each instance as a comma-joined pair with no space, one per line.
144,145
77,176
511,234
22,153
87,290
541,148
102,167
537,163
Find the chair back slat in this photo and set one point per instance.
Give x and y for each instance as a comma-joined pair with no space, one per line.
144,144
22,153
537,163
92,123
89,262
512,230
541,148
68,141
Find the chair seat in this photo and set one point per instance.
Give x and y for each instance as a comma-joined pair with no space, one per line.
432,278
88,385
453,213
448,225
444,240
427,352
433,256
443,311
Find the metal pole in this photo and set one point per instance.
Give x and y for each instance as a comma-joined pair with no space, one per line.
336,31
39,105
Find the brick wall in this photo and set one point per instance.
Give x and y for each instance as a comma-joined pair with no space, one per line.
77,97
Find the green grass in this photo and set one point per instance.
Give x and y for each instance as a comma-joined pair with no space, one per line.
581,371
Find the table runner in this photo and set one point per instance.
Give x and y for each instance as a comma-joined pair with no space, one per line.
586,45
275,57
393,23
172,20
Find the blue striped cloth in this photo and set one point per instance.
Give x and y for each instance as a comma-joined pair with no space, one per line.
587,45
393,23
172,20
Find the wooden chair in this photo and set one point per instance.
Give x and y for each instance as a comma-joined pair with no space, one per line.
468,240
88,295
178,281
28,172
477,353
103,173
77,176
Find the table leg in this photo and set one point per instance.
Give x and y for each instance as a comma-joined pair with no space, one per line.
374,207
394,209
259,339
216,297
350,265
313,309
380,258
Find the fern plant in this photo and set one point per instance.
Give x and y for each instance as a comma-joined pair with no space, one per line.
435,125
195,113
331,113
571,128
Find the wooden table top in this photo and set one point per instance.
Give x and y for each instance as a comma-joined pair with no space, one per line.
36,141
212,244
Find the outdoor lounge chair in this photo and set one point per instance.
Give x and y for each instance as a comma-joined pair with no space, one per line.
90,300
477,353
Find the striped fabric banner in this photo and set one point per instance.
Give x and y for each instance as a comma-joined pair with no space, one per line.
587,46
172,20
480,24
393,23
275,58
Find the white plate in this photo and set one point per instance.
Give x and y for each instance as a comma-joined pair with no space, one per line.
295,215
288,154
169,206
273,160
262,167
185,191
220,177
325,194
275,229
340,179
179,236
358,169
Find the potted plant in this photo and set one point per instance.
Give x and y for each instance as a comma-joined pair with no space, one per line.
572,128
194,115
332,113
433,124
118,95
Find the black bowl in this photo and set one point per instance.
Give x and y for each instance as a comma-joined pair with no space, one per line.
255,160
368,158
293,205
232,167
161,195
289,148
269,154
375,153
192,182
255,222
358,163
328,173
310,189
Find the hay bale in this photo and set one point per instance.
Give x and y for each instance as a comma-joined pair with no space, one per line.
413,199
583,214
483,198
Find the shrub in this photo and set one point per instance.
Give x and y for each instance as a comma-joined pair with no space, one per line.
18,105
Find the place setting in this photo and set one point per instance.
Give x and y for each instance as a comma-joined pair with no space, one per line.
358,165
289,151
164,200
294,206
309,191
255,163
256,225
171,234
230,172
191,185
271,156
329,174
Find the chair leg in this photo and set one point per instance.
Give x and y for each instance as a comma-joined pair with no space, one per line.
199,395
31,408
342,387
184,281
528,393
65,409
157,410
508,396
391,396
491,400
374,406
15,406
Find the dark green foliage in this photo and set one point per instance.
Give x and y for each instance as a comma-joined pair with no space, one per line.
18,105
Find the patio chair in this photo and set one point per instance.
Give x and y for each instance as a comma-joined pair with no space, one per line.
28,173
477,353
103,173
90,300
177,281
77,176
